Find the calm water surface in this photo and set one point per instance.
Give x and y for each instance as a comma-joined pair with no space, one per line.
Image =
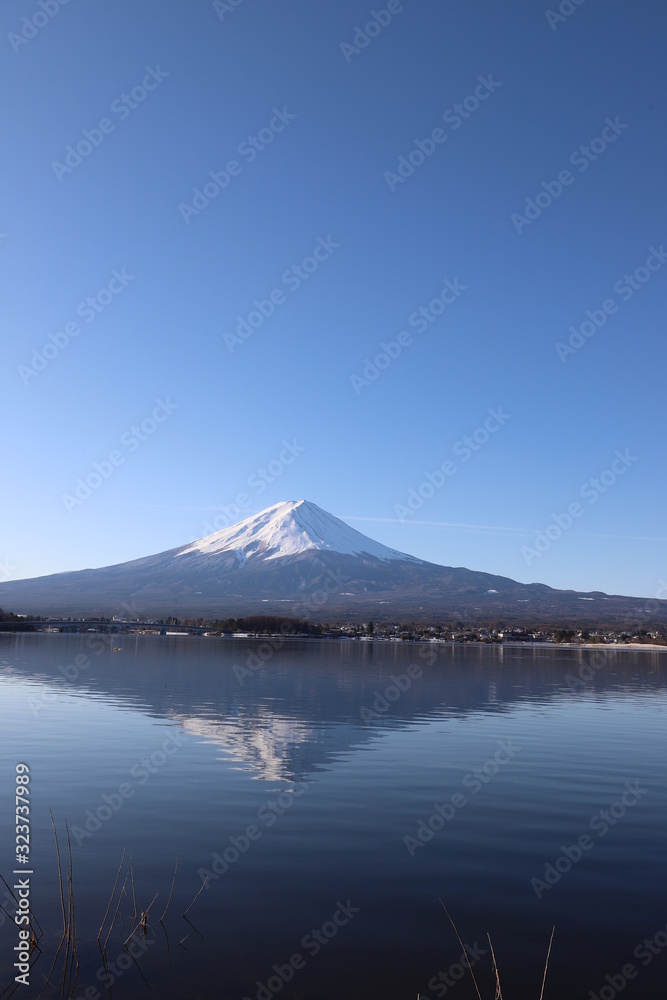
305,805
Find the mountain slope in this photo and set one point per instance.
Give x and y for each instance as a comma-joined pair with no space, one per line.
296,559
289,529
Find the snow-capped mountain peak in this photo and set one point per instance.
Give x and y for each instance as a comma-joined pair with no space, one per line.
290,528
294,559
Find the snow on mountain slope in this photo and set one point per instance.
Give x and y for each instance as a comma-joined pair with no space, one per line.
288,529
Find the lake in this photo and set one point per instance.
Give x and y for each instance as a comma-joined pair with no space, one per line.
331,793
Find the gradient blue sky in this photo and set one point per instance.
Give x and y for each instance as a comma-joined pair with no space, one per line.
324,176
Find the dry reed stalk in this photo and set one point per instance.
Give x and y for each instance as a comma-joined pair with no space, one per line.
134,895
120,896
99,934
173,882
499,994
70,983
166,937
546,965
148,908
463,946
143,923
60,872
47,980
130,935
203,886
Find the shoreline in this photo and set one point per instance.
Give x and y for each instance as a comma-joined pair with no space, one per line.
265,637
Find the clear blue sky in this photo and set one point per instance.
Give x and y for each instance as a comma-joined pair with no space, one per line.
338,115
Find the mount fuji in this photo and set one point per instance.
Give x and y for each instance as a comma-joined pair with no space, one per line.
296,559
288,529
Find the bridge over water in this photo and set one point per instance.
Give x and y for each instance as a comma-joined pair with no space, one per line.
119,627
